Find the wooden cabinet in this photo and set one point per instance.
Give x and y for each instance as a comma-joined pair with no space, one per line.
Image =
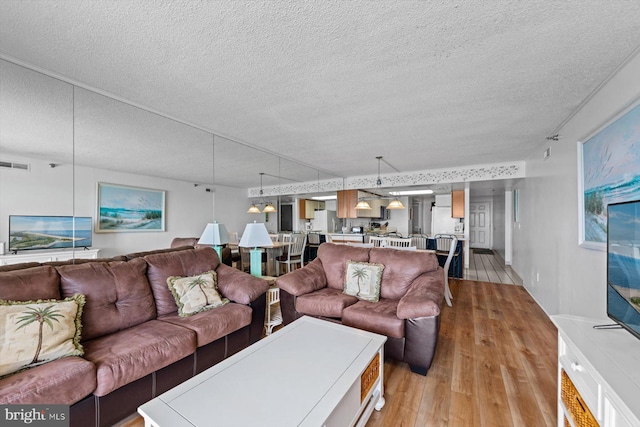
346,203
598,375
307,208
374,212
457,204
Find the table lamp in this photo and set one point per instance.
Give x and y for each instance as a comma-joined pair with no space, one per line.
255,234
215,235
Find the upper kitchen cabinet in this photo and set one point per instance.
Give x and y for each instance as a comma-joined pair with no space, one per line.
346,203
307,208
457,204
376,211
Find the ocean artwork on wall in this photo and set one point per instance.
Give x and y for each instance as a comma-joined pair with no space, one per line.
609,172
123,208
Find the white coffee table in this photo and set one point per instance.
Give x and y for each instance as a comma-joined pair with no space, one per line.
309,373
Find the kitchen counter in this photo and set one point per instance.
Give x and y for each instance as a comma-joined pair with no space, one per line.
346,237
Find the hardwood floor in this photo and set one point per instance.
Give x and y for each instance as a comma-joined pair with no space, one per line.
495,365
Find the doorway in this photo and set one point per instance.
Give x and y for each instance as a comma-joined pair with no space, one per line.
480,225
286,217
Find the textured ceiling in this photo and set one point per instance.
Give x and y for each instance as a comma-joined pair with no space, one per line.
331,84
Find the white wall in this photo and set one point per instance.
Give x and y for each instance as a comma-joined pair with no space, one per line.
47,191
571,279
498,224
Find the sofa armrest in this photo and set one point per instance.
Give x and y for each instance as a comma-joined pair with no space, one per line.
303,280
238,286
424,297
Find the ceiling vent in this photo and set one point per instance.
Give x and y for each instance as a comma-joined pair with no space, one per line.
13,165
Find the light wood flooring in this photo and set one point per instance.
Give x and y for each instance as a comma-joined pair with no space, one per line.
495,365
490,268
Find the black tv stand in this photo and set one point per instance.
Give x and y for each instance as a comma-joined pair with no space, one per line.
608,326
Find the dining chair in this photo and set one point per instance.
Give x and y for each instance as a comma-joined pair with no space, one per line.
274,237
398,242
446,245
378,242
419,242
295,254
235,252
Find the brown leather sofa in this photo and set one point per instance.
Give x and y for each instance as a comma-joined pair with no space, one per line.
408,313
136,346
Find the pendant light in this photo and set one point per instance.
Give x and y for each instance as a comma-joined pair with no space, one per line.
395,204
268,206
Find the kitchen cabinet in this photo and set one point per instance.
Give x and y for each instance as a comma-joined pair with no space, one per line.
307,208
346,203
375,211
457,204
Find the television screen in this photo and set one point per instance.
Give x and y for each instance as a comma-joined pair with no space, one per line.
48,232
623,265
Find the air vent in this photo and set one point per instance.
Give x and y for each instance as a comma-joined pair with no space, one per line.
13,165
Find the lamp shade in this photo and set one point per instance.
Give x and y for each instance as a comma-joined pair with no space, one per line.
395,204
214,234
268,208
363,204
253,209
255,234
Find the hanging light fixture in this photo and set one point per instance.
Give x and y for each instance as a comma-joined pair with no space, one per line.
268,206
395,204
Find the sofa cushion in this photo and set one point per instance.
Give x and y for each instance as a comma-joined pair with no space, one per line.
130,354
194,294
379,317
213,324
334,259
401,269
63,381
188,262
362,280
118,295
326,302
30,284
34,333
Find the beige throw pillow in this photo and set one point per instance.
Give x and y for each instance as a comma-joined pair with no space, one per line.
363,280
196,293
36,332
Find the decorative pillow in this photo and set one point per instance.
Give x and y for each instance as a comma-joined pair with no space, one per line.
196,293
363,280
36,332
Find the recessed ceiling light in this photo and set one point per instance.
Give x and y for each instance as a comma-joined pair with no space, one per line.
410,192
325,197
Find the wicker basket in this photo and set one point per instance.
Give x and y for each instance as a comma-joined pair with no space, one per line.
369,376
580,413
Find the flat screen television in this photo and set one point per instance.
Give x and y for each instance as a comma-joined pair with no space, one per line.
623,265
27,232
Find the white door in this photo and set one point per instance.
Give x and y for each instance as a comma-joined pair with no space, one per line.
480,225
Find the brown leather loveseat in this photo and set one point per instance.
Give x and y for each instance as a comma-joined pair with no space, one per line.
136,346
408,312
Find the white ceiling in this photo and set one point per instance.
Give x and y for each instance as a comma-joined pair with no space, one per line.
329,84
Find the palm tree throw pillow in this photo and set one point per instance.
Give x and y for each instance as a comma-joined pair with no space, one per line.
196,293
363,280
36,332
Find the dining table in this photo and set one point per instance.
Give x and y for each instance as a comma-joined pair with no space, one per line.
273,251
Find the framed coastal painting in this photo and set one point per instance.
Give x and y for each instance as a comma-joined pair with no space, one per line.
122,208
608,172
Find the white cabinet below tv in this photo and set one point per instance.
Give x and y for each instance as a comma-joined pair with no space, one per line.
603,366
48,256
